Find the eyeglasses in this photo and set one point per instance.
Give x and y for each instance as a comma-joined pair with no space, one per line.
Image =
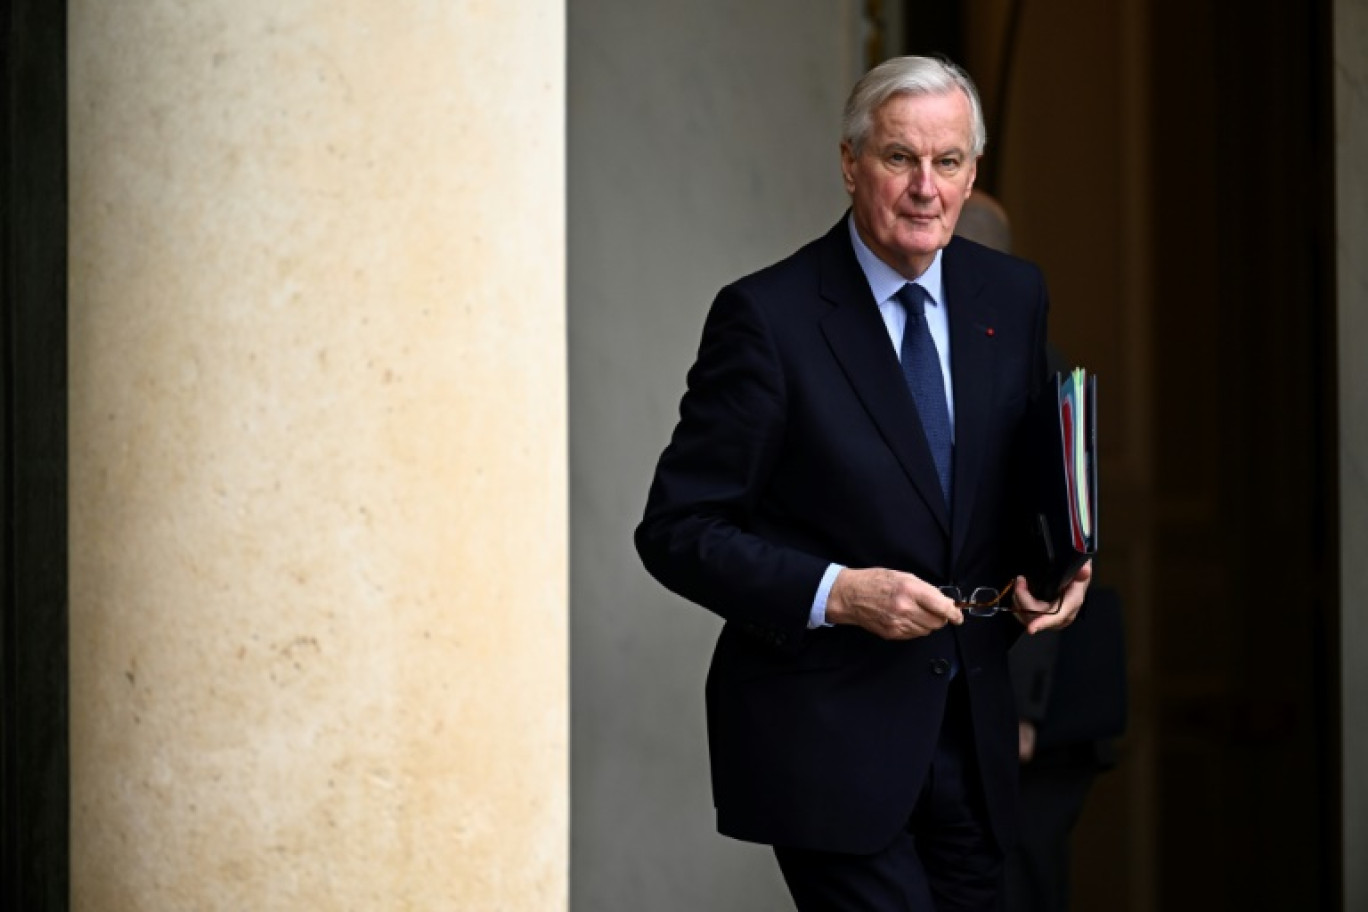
986,601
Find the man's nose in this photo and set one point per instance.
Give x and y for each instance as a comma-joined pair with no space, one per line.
922,183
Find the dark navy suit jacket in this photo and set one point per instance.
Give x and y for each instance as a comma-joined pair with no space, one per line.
799,445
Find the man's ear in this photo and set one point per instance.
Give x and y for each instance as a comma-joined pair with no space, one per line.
973,174
848,167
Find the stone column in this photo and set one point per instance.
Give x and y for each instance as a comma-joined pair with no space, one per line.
318,455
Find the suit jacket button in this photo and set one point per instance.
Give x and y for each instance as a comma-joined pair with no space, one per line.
939,666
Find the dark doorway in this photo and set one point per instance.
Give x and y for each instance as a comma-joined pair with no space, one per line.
1170,164
1245,570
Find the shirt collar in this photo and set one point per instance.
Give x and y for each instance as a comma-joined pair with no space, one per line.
885,281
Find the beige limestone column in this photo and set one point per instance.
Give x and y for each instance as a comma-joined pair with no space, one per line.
318,459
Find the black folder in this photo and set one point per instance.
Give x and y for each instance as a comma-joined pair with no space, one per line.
1056,483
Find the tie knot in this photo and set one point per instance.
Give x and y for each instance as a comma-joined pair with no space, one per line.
913,297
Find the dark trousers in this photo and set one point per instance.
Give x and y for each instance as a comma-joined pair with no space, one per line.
944,860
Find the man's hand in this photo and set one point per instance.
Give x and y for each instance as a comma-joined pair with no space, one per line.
889,604
1069,601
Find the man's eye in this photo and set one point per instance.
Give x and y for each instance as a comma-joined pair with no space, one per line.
898,158
949,164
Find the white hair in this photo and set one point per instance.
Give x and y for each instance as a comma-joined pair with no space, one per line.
909,76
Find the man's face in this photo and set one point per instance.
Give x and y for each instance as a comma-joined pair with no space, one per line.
910,181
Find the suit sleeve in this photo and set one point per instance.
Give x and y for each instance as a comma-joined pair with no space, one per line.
701,536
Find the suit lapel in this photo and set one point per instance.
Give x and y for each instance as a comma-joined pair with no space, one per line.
857,336
973,368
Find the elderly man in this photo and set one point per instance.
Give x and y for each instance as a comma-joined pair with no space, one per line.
837,490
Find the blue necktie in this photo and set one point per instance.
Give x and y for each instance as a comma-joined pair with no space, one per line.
922,370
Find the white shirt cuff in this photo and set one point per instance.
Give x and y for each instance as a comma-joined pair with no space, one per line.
817,616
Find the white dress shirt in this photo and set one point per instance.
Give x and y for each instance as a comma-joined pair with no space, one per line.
885,282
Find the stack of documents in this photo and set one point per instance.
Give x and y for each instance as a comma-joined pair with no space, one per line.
1058,483
1077,427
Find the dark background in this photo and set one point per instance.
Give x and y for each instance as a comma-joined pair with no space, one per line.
33,453
1170,164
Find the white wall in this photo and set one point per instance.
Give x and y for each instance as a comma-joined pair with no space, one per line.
703,144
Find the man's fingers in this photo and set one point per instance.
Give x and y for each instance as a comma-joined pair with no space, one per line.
1024,600
917,608
1062,611
890,604
940,605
